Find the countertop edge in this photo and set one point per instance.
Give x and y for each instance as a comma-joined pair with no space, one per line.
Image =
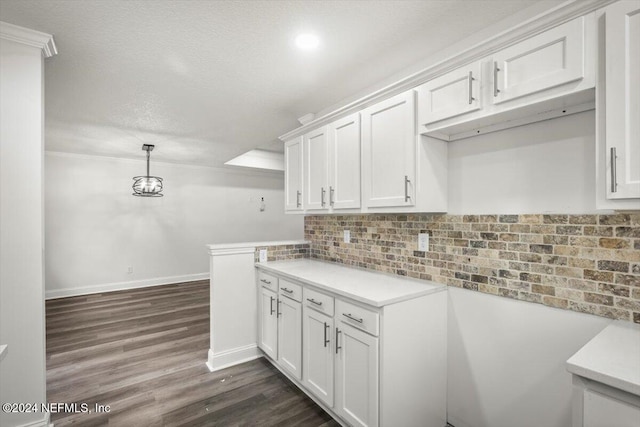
216,246
603,378
438,288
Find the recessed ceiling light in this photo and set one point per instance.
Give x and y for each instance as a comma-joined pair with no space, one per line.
307,41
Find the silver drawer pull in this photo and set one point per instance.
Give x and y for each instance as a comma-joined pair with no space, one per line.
614,172
348,315
471,79
265,281
326,340
271,310
289,291
338,347
311,300
495,79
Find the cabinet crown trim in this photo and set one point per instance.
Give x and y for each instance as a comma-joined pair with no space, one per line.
29,37
564,12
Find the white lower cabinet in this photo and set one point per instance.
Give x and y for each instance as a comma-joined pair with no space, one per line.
268,322
318,354
356,376
367,365
290,336
604,411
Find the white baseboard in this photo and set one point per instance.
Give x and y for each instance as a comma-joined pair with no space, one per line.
109,287
232,357
44,422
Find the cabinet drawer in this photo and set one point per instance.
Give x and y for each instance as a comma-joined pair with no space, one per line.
268,281
357,316
318,301
290,289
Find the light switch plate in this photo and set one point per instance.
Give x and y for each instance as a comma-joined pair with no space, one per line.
347,236
423,242
263,255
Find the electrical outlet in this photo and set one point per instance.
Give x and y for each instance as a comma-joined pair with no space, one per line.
423,242
263,255
347,236
129,270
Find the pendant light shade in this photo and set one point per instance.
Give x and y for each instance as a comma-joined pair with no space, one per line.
147,186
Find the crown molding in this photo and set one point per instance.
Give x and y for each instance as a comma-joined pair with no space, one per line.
29,37
562,13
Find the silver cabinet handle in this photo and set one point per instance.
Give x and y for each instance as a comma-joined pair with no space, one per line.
265,281
278,313
495,79
311,300
322,191
471,98
271,310
289,291
326,341
331,191
298,194
338,332
406,188
614,171
348,315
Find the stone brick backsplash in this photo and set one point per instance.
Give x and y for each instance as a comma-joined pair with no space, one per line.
585,263
284,252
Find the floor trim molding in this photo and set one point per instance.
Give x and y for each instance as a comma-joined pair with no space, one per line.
232,357
120,286
44,422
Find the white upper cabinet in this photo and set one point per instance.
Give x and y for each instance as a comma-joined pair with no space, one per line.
550,59
316,170
389,152
293,175
344,163
450,95
545,76
622,94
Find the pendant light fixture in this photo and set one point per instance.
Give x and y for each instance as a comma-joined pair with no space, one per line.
147,186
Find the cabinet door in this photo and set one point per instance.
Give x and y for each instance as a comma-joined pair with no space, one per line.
622,44
344,163
450,95
550,59
318,354
290,336
605,411
268,328
389,152
315,170
356,376
293,175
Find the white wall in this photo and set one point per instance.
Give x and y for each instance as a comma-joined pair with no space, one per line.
22,372
95,229
545,167
507,360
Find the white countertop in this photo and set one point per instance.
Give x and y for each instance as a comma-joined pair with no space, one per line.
612,357
369,287
217,246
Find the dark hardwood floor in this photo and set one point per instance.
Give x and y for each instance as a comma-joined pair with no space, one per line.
142,352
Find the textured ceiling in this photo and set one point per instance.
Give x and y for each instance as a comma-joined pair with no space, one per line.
208,80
